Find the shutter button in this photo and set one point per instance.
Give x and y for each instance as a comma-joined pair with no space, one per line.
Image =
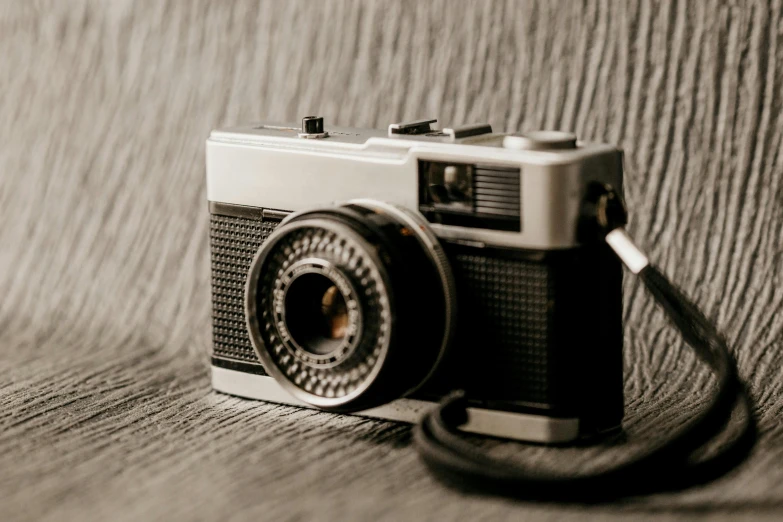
313,127
540,140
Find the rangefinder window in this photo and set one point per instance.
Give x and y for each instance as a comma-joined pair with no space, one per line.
475,196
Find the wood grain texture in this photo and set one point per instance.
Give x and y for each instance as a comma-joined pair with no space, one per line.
105,407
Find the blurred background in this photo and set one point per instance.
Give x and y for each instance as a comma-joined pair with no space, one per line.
105,404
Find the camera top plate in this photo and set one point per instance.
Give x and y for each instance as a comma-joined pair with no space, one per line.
291,167
535,146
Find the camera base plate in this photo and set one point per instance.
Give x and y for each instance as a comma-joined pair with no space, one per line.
508,425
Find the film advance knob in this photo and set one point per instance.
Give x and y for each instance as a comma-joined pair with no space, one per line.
541,140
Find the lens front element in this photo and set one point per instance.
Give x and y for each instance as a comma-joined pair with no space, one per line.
317,314
317,310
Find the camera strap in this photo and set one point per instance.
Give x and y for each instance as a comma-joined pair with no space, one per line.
681,460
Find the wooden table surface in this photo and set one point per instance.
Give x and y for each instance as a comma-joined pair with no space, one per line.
106,411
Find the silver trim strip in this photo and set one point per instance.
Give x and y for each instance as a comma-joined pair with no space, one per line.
623,246
516,426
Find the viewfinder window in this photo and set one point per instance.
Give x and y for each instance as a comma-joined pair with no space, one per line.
448,186
468,195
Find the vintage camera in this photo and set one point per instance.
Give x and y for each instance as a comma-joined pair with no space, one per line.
371,272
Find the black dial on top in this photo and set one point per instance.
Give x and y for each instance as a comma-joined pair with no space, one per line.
312,125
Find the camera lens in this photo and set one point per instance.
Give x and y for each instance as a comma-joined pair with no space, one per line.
316,313
352,306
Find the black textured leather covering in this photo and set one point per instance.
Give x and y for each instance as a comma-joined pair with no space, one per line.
234,242
539,331
505,325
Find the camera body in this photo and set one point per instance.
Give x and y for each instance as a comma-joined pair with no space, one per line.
373,272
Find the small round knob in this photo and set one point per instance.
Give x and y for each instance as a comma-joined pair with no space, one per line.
541,140
312,125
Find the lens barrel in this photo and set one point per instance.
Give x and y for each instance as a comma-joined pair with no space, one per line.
350,307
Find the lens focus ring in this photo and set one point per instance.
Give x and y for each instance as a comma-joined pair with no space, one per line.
297,310
337,255
348,307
